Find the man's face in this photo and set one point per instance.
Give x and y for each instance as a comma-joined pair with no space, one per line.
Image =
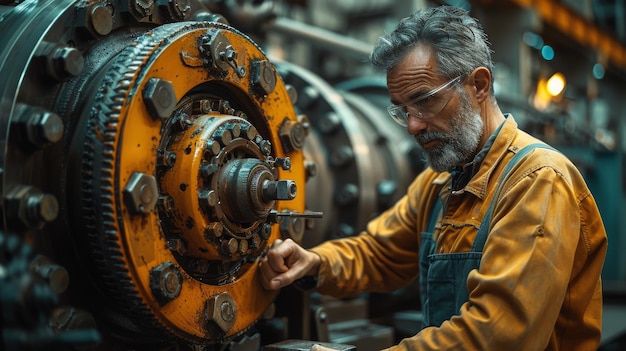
450,137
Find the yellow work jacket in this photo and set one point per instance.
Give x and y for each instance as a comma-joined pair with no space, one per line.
538,285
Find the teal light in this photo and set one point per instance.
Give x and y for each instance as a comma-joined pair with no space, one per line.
598,71
547,52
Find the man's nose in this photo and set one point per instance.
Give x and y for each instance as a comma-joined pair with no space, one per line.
415,125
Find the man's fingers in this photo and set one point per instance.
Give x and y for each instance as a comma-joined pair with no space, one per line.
318,347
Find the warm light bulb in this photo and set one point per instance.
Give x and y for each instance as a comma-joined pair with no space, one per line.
556,84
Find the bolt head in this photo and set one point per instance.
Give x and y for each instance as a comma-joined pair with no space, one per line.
221,312
141,193
160,98
166,282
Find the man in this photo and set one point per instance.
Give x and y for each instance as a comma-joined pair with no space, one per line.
523,275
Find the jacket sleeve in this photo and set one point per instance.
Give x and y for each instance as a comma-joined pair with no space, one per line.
382,258
517,293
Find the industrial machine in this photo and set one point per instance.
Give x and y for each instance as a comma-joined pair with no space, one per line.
150,154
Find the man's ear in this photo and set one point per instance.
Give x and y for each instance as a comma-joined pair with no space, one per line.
482,83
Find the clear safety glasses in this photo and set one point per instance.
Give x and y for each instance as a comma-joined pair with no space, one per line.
424,106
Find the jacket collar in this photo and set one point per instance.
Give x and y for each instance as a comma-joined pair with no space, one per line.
503,138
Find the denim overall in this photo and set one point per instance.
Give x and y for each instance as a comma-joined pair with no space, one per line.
443,277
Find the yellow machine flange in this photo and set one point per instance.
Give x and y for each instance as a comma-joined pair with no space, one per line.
201,153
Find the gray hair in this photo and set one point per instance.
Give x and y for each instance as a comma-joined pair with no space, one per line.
457,39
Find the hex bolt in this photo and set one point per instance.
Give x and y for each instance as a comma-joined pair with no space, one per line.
207,170
310,167
255,241
40,127
30,206
243,246
141,193
208,199
57,276
266,231
309,97
231,246
65,62
101,18
292,93
266,147
347,195
211,149
263,77
41,208
284,163
166,204
220,312
213,230
160,98
167,158
166,282
342,156
177,245
279,190
329,123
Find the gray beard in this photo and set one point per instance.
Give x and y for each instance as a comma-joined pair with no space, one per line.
458,146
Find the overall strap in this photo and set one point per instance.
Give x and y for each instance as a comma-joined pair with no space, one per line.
434,213
483,231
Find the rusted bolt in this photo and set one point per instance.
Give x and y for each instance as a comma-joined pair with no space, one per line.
159,97
221,312
141,192
166,282
230,247
263,77
213,230
167,158
177,245
243,246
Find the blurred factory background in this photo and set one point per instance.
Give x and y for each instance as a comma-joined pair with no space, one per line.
78,267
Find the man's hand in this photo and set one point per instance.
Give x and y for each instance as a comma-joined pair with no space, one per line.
286,262
318,347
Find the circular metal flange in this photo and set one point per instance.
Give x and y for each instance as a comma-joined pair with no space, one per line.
194,228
